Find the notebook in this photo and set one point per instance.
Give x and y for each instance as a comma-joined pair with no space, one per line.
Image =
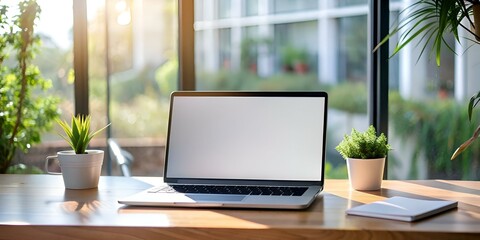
402,208
242,150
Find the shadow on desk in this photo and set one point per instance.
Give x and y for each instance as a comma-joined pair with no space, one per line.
81,203
450,186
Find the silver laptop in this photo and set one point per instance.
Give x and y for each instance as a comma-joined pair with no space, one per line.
242,150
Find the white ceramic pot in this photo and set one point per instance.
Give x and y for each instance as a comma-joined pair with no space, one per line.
365,174
80,171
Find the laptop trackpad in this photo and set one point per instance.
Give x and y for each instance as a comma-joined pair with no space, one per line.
214,198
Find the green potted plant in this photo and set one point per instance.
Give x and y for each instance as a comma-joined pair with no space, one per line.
430,21
24,115
80,167
294,59
365,153
300,64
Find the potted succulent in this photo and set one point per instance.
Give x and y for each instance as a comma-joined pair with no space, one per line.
365,153
80,167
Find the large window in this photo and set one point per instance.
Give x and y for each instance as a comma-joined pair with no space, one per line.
428,110
133,69
140,49
302,45
137,40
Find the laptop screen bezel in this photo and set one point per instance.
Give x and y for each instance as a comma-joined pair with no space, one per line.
245,94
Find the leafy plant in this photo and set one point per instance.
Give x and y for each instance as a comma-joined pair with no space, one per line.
291,56
364,145
436,128
355,92
472,104
249,51
23,116
431,20
78,133
243,80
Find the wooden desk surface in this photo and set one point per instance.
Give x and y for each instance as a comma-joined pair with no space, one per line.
39,207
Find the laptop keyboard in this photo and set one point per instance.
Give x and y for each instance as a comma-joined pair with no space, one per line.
241,190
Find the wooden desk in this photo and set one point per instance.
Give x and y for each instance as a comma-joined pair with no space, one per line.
38,207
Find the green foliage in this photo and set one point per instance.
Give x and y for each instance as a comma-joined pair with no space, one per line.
364,145
291,55
472,104
339,172
349,96
249,50
23,169
225,80
125,87
474,100
430,21
167,77
23,117
78,133
129,123
437,127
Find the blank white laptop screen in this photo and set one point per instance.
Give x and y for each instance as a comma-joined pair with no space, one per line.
238,137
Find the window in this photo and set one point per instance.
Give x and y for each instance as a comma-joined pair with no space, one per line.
428,116
140,48
225,9
250,7
260,45
284,6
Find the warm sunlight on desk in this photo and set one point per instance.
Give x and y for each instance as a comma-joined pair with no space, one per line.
340,189
39,207
179,217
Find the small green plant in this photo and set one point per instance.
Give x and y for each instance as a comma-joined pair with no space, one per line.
364,145
291,55
78,133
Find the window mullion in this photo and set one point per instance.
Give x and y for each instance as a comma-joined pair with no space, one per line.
378,74
80,56
186,45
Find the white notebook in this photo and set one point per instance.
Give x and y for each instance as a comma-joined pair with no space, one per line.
402,208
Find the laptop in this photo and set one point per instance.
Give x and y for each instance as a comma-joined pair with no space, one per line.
242,150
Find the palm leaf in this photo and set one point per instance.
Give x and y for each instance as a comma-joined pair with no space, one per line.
466,144
430,21
472,104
